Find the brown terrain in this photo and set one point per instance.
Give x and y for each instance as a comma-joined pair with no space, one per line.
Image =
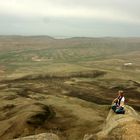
62,89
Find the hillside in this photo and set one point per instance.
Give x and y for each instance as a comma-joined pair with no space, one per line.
65,87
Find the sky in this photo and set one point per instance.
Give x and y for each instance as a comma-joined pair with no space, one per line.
68,18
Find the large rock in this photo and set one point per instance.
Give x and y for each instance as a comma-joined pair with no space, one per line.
43,136
121,126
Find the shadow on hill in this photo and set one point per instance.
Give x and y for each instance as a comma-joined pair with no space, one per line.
85,74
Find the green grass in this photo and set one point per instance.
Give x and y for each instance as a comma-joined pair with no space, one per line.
67,55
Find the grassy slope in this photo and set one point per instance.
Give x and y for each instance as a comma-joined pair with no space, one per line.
78,101
69,55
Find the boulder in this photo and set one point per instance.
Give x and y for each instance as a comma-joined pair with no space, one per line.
121,126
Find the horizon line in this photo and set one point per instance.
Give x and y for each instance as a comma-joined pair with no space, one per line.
65,37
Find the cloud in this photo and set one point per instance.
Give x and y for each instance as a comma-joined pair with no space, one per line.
69,13
75,8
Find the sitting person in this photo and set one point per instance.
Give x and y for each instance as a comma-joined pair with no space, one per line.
118,103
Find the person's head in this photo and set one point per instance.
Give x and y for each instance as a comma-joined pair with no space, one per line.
121,93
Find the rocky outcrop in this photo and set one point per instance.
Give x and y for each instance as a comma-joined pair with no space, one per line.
121,126
43,136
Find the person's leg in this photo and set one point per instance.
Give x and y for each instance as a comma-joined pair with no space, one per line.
120,110
114,107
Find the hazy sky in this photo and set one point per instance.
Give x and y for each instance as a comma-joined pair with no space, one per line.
70,17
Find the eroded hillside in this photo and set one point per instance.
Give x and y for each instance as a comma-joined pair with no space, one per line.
65,87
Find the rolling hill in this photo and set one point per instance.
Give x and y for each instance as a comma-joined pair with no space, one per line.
65,86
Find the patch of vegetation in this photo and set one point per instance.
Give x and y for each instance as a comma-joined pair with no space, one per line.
8,107
23,92
40,117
